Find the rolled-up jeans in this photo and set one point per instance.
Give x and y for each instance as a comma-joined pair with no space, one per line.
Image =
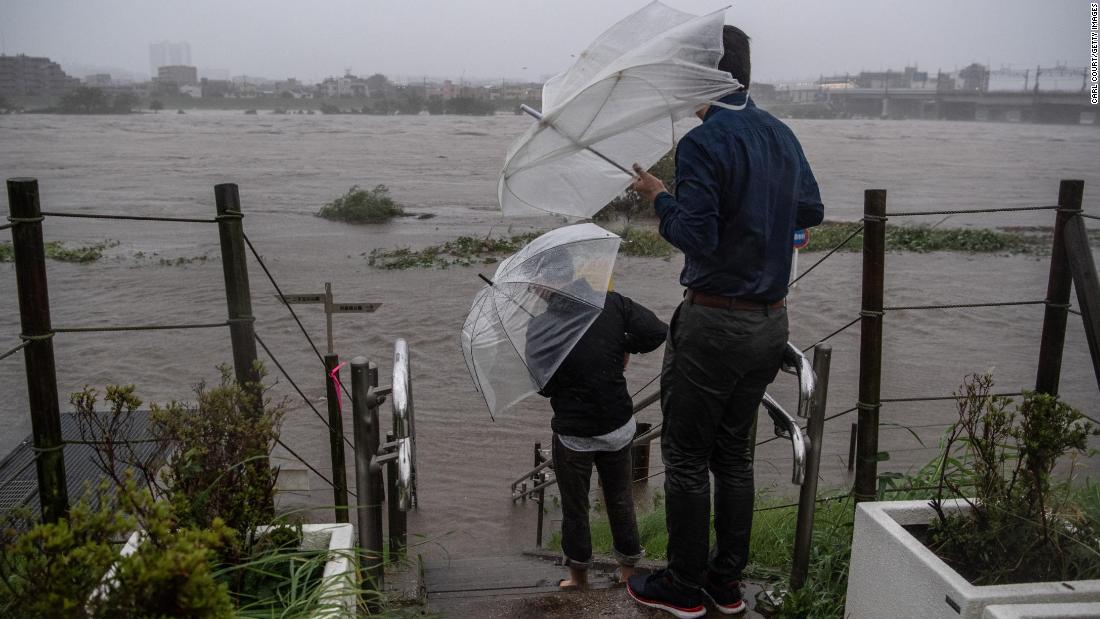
573,470
717,365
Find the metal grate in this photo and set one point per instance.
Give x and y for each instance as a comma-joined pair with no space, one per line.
15,492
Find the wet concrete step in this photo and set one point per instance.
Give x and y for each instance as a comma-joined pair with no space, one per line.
526,585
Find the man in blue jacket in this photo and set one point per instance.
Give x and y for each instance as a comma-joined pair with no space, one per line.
743,186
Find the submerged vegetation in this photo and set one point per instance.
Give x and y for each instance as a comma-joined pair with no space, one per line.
57,250
926,238
463,251
361,206
644,241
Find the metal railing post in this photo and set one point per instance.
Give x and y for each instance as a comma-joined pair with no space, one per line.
397,533
540,501
368,484
237,294
1059,284
34,316
870,345
336,439
807,500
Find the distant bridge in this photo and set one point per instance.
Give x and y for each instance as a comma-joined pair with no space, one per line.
1060,107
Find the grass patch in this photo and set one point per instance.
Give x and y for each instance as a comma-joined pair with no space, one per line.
57,250
772,543
463,251
360,206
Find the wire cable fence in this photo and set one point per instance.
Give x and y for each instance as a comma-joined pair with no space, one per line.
193,220
131,328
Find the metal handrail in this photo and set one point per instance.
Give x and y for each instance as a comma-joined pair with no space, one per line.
796,363
786,427
532,474
404,429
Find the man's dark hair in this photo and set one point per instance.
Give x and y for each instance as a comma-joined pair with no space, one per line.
735,57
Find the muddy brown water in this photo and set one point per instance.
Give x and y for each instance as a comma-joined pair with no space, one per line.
288,166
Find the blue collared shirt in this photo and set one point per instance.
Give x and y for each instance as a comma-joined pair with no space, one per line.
743,186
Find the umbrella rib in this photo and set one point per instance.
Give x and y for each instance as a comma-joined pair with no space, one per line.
508,336
559,245
577,142
473,364
566,295
603,104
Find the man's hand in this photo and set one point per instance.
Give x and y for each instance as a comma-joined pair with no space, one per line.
647,185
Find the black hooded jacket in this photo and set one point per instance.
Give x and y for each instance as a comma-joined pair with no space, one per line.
588,391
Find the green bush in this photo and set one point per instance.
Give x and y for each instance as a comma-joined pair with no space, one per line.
1017,509
220,468
53,570
359,206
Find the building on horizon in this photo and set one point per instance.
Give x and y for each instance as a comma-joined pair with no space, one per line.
167,53
33,76
98,80
180,75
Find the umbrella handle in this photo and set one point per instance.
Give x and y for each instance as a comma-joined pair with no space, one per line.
537,115
485,279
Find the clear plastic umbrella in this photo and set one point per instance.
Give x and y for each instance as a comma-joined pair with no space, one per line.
615,106
536,307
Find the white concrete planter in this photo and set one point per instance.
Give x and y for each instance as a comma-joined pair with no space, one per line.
894,575
338,579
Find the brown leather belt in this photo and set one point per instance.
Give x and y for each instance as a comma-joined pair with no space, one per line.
695,297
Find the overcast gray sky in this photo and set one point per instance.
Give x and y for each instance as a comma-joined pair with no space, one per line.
527,39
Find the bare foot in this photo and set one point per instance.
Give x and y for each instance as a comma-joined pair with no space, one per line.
578,580
625,572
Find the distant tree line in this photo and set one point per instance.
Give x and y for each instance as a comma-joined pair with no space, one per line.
387,98
86,100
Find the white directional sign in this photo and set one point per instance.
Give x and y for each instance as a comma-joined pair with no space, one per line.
331,307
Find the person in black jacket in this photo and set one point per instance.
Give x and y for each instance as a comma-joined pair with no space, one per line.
593,422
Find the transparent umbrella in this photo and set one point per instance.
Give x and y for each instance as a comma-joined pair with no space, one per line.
615,106
533,311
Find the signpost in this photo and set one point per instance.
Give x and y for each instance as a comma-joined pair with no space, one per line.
801,239
332,377
331,307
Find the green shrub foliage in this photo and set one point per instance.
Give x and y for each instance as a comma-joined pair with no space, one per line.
360,206
1022,525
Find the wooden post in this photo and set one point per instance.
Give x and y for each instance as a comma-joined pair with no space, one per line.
336,439
870,344
238,298
34,316
807,499
397,532
1059,284
1085,282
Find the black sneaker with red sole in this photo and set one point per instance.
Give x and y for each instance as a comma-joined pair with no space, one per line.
726,597
659,591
